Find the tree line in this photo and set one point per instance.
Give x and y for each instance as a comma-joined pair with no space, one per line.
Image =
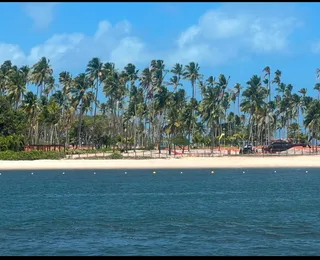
151,106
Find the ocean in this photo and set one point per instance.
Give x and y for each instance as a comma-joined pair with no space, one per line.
172,212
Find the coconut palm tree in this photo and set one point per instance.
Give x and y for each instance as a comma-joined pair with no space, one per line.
317,87
95,72
177,71
25,73
16,87
192,73
277,77
82,98
5,69
253,100
211,109
40,73
31,107
312,120
237,88
267,72
50,86
174,81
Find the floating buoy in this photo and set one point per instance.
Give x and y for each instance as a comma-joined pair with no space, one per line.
0,173
181,172
125,172
94,173
63,173
306,171
275,171
243,172
212,172
32,173
154,172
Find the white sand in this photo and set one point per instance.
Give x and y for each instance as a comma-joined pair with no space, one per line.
183,163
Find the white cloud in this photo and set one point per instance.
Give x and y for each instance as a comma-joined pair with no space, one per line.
42,14
11,52
56,47
188,36
227,33
129,50
103,28
219,36
73,51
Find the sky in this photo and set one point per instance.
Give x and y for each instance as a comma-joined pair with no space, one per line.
236,39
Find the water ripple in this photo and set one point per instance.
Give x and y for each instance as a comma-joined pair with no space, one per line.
196,213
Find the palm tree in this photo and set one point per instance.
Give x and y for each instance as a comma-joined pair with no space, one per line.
81,98
211,109
95,71
25,73
114,89
158,73
146,82
317,87
65,80
16,87
174,81
163,99
5,69
237,92
253,100
277,77
303,92
192,74
31,106
312,120
177,71
40,73
40,76
267,72
132,73
52,117
50,86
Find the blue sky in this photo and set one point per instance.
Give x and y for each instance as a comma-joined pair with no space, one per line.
236,39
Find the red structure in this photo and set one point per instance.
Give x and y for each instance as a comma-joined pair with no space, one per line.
45,147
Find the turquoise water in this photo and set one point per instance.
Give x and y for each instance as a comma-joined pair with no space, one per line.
258,212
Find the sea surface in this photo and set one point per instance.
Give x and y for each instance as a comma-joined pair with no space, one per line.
136,212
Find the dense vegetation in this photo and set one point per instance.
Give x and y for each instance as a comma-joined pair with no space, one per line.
148,107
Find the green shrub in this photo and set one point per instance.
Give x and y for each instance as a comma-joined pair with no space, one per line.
31,155
115,156
12,143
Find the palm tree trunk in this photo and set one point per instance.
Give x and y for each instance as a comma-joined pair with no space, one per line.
16,105
250,127
95,111
79,126
269,136
191,116
134,129
51,134
212,136
239,104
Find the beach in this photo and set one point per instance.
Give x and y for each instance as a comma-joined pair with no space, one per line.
181,163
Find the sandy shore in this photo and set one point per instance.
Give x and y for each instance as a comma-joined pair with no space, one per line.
183,163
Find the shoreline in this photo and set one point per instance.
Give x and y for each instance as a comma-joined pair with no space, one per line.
182,163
